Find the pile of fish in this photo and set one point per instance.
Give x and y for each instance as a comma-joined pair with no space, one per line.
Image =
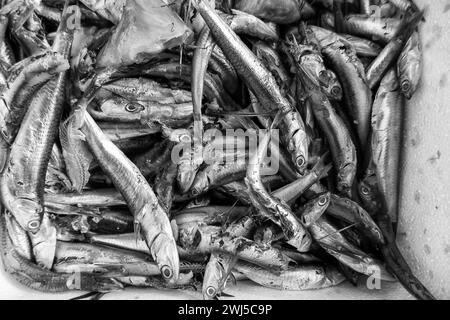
110,177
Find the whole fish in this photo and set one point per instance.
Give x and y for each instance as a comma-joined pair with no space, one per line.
6,53
392,50
260,81
387,126
335,244
358,96
23,82
272,208
343,150
151,220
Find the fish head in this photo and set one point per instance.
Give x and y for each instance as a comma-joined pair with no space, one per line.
121,108
300,155
332,276
214,274
330,82
367,190
314,209
189,236
200,184
407,87
27,212
164,251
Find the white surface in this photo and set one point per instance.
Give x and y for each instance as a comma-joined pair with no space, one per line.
424,225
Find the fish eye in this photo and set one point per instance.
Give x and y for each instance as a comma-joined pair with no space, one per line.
132,107
301,161
33,225
406,85
166,272
365,191
336,91
195,192
211,291
323,201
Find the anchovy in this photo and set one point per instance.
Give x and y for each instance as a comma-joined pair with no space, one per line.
409,66
119,109
335,244
272,208
343,150
6,53
281,11
358,96
387,125
392,50
206,239
22,84
150,218
34,277
260,81
294,279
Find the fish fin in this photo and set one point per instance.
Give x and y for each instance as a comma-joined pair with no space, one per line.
223,294
85,296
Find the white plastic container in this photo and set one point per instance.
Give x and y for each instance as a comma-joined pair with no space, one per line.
424,226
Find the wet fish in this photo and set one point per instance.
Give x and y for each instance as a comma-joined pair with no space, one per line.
409,66
151,220
294,279
260,81
387,126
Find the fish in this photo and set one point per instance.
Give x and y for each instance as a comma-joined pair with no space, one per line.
343,150
392,50
23,82
387,126
117,109
282,12
271,207
151,220
335,244
294,279
409,66
207,239
371,27
37,278
260,81
358,96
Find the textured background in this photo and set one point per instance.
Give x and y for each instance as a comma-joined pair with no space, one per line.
424,226
424,229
